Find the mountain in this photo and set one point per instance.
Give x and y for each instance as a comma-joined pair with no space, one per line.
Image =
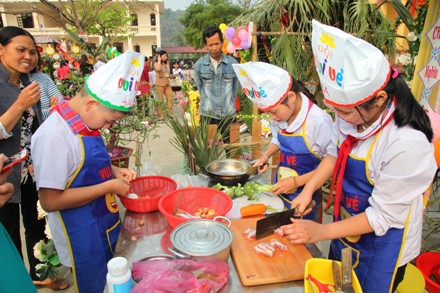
171,28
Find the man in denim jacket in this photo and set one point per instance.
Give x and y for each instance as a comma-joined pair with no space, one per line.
216,82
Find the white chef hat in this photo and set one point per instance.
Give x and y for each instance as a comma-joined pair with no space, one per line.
116,83
264,84
351,70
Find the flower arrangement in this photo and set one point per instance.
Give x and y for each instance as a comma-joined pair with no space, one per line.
45,252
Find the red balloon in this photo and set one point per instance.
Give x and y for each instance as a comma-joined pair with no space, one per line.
236,41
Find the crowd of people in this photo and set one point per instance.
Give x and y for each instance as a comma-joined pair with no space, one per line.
368,150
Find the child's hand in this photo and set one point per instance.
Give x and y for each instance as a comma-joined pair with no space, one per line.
302,201
285,186
120,186
262,164
303,231
123,173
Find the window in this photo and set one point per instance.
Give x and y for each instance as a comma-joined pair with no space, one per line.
1,21
19,21
137,48
134,22
119,46
153,19
27,20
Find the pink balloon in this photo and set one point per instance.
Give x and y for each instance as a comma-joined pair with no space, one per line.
230,33
236,41
435,124
243,35
244,45
230,48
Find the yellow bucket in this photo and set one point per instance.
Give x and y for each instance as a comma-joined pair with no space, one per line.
321,269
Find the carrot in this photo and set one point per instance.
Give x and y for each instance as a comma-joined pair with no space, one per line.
253,209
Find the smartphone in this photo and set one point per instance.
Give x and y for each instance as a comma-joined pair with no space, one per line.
15,159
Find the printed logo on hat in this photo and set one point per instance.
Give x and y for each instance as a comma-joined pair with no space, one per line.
264,84
116,83
351,70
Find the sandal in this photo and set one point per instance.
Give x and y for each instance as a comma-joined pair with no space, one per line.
54,284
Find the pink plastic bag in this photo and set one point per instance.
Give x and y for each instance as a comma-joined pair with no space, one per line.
183,275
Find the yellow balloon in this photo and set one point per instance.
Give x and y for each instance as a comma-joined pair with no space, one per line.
222,26
50,50
75,49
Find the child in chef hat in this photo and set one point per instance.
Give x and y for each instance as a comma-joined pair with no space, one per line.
385,162
76,182
300,128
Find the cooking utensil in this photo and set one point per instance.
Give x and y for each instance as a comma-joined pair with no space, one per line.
253,170
228,172
266,226
346,270
336,276
322,287
256,269
177,205
202,240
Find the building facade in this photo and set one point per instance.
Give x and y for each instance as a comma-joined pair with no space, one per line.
145,26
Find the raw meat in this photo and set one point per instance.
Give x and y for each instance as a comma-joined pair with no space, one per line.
276,244
279,232
264,248
250,233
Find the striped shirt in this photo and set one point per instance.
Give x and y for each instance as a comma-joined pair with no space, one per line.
48,89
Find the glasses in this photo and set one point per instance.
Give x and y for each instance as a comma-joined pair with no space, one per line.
344,115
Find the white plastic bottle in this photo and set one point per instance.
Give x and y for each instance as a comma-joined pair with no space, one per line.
119,276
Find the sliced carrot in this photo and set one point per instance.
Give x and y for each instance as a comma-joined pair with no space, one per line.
253,209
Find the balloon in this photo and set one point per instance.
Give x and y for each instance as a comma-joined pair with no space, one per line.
437,151
224,50
236,41
230,33
230,48
244,45
225,44
222,26
243,35
435,124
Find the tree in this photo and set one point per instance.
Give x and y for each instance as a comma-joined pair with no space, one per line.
291,48
113,22
205,13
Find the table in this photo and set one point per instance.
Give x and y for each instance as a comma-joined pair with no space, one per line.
153,237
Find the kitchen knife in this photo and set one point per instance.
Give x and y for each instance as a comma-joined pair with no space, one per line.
266,226
346,270
336,277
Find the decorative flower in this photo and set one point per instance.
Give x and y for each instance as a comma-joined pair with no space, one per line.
412,36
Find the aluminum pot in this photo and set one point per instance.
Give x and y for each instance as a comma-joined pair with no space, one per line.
228,172
202,240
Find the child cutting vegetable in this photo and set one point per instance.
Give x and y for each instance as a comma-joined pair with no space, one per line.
300,128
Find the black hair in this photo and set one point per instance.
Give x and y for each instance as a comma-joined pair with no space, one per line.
299,87
162,52
211,31
408,110
7,33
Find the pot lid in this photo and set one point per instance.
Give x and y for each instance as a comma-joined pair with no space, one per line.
201,237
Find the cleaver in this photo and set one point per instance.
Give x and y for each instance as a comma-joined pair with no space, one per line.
266,226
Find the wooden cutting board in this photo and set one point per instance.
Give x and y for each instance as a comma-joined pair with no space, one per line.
255,269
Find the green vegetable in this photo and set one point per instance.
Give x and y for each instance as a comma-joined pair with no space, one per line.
251,189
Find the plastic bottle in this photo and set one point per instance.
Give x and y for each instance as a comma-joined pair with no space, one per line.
119,276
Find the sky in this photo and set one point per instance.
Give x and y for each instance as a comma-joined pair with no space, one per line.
177,4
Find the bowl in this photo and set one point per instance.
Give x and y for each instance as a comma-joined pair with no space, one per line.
429,264
149,190
321,269
191,199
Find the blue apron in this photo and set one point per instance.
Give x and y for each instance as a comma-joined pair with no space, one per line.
92,230
375,258
296,159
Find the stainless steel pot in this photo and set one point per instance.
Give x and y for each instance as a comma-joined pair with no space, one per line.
228,172
202,240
